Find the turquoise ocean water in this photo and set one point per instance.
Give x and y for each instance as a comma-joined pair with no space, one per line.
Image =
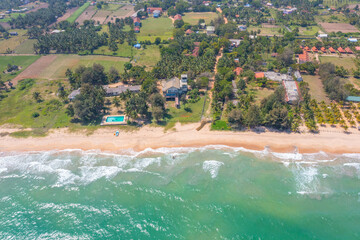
181,193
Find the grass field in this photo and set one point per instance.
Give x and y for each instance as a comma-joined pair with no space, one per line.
155,27
147,57
268,31
112,7
346,62
316,88
12,15
18,109
307,31
332,18
180,115
57,69
14,41
78,12
27,47
123,51
194,17
21,61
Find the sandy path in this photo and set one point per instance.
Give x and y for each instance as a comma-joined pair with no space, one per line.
34,70
68,13
186,136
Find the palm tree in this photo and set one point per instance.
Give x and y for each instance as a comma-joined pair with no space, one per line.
37,97
116,102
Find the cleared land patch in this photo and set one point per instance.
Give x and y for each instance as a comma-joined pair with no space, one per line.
85,15
338,27
13,42
346,62
266,30
155,27
316,88
194,17
67,15
53,67
21,61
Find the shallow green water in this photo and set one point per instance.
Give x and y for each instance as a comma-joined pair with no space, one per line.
179,194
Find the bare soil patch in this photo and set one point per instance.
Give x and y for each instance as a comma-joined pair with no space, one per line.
336,27
68,13
86,15
268,25
34,70
125,11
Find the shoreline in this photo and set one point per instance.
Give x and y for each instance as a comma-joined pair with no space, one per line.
185,136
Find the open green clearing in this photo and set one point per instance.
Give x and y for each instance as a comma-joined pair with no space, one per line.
57,68
346,62
19,108
307,31
78,12
21,61
124,50
269,31
147,57
194,17
155,27
112,7
316,88
332,18
14,41
12,15
180,115
26,47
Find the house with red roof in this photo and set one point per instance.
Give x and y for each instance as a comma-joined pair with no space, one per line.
323,49
348,50
314,49
332,50
307,49
137,22
150,10
259,75
303,58
136,29
357,48
238,71
341,50
188,32
177,17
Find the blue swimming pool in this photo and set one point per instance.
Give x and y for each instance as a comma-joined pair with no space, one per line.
115,119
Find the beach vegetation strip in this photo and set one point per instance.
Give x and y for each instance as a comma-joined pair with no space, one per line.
78,12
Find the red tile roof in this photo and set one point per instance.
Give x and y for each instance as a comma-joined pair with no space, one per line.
259,75
323,49
341,50
331,50
238,71
177,17
357,48
348,50
314,49
136,19
188,31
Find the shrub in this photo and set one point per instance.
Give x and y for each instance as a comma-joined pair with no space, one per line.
35,114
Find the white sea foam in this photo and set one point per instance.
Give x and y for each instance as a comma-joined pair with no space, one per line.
212,167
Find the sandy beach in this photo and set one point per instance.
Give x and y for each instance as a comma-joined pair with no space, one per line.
185,136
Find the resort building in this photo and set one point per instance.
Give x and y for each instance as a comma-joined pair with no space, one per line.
173,88
242,28
136,29
137,22
303,58
298,76
116,91
150,10
277,77
323,35
210,30
177,17
235,42
291,91
156,13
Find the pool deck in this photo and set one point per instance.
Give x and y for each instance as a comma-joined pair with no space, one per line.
104,123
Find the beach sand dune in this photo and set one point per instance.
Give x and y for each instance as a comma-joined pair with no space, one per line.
185,136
